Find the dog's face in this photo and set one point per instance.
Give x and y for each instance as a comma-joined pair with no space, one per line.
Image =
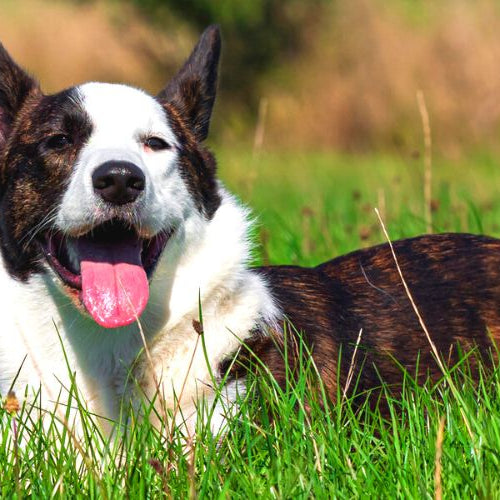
96,179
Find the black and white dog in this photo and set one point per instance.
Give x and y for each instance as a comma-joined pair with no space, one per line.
113,221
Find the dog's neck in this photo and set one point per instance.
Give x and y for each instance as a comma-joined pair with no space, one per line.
205,265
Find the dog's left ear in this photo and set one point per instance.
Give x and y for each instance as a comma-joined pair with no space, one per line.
192,90
15,85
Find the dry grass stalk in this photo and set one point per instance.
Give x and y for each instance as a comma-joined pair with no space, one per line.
434,350
12,406
438,487
198,328
426,127
350,373
148,356
260,128
381,202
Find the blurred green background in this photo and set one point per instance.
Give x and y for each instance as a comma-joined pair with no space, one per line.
317,120
327,74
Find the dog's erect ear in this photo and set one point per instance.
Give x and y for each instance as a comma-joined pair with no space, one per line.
192,90
15,85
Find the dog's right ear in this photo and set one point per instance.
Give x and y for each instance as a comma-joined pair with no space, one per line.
192,90
15,85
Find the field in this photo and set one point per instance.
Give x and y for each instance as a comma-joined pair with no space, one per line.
439,440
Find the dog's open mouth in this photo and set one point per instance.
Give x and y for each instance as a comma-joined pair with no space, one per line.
109,267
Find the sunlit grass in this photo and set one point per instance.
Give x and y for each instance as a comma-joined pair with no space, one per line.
277,446
318,205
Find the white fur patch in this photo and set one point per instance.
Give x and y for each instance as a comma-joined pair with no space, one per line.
210,262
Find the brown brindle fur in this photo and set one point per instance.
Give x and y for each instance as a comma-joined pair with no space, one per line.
34,178
197,164
453,278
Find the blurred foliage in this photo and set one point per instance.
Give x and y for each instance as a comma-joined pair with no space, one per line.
257,34
321,74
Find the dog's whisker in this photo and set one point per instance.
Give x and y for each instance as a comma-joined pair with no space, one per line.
49,218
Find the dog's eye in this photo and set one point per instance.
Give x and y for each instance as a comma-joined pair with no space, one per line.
58,141
156,144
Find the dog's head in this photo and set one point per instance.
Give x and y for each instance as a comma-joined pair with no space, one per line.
94,180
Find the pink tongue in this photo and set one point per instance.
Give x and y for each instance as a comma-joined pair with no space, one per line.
115,287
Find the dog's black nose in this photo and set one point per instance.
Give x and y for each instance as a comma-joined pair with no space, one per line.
118,182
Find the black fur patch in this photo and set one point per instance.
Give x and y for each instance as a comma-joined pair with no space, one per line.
15,87
197,165
192,90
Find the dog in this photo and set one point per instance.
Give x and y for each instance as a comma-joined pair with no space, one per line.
115,233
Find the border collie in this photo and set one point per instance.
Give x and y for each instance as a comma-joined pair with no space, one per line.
115,231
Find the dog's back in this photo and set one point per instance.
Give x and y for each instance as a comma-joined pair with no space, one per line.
453,279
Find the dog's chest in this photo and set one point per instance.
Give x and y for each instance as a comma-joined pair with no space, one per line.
181,365
183,362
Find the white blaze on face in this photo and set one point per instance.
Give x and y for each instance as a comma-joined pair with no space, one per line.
122,115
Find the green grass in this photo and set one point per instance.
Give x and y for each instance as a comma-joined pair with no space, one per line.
310,208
